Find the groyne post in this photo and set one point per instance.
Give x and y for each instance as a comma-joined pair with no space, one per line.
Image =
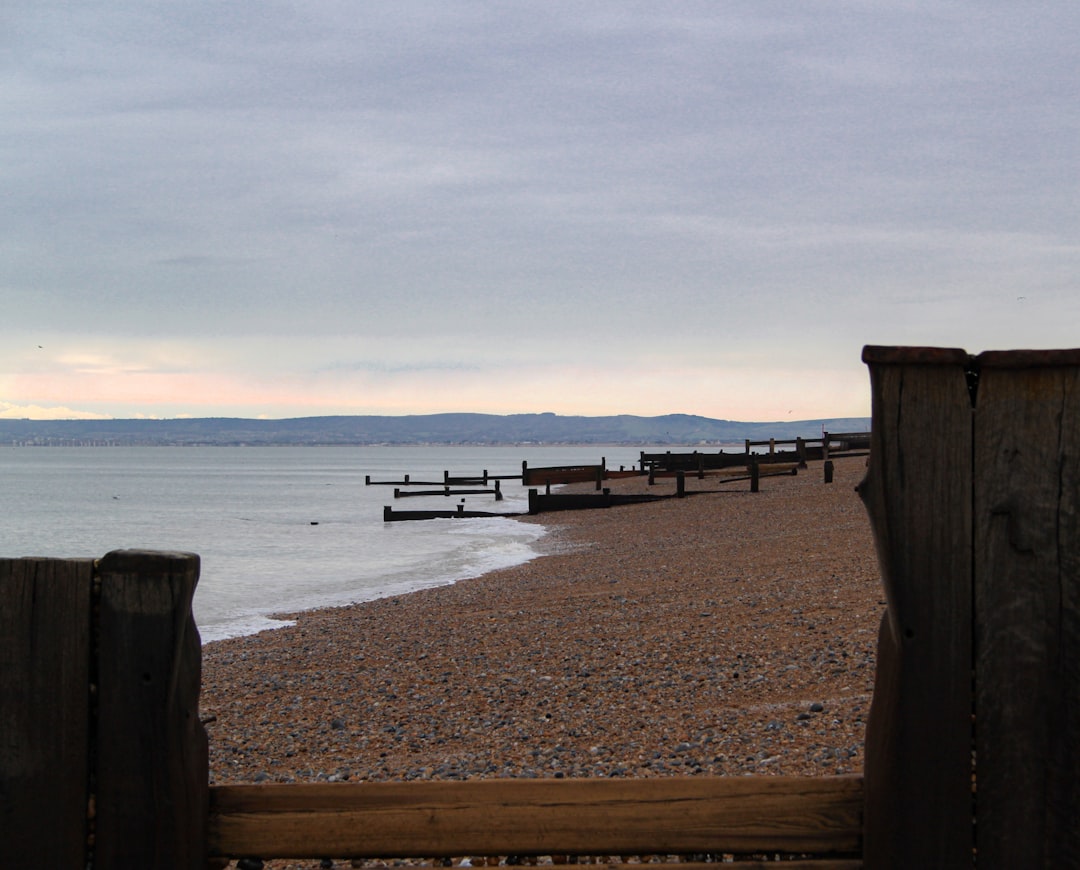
980,556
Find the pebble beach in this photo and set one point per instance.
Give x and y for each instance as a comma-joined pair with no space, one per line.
724,633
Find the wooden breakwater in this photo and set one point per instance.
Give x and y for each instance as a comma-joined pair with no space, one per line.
447,491
482,479
548,502
563,474
798,450
603,497
390,515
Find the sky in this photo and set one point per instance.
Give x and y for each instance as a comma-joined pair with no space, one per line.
270,209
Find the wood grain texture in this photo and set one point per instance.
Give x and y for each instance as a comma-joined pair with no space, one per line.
45,607
539,817
918,495
796,864
1027,597
152,750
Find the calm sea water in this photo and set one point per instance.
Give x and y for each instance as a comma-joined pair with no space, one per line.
278,529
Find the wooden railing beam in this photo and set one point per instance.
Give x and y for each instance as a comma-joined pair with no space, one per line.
792,815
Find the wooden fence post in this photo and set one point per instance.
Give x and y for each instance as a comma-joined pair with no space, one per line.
918,494
974,494
152,765
45,675
1027,601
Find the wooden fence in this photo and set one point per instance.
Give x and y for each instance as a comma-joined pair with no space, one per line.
974,497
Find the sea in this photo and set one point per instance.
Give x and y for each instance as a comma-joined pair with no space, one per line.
279,530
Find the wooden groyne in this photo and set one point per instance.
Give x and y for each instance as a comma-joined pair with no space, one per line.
547,502
482,479
563,474
447,491
799,450
392,516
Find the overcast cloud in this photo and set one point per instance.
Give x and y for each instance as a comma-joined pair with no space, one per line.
244,209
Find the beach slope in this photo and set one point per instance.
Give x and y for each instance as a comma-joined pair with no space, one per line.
724,633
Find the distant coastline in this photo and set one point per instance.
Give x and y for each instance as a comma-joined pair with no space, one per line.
441,429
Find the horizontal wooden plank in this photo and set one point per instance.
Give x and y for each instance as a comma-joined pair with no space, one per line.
792,815
797,864
744,864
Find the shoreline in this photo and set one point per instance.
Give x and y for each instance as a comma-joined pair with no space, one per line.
285,617
721,634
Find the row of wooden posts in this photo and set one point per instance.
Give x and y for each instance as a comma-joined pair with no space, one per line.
547,501
653,464
972,744
670,465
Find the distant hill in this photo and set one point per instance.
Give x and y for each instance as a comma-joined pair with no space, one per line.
683,429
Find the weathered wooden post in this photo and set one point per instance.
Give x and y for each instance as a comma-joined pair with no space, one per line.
680,484
45,677
105,764
1027,601
918,494
755,476
829,470
152,763
974,494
